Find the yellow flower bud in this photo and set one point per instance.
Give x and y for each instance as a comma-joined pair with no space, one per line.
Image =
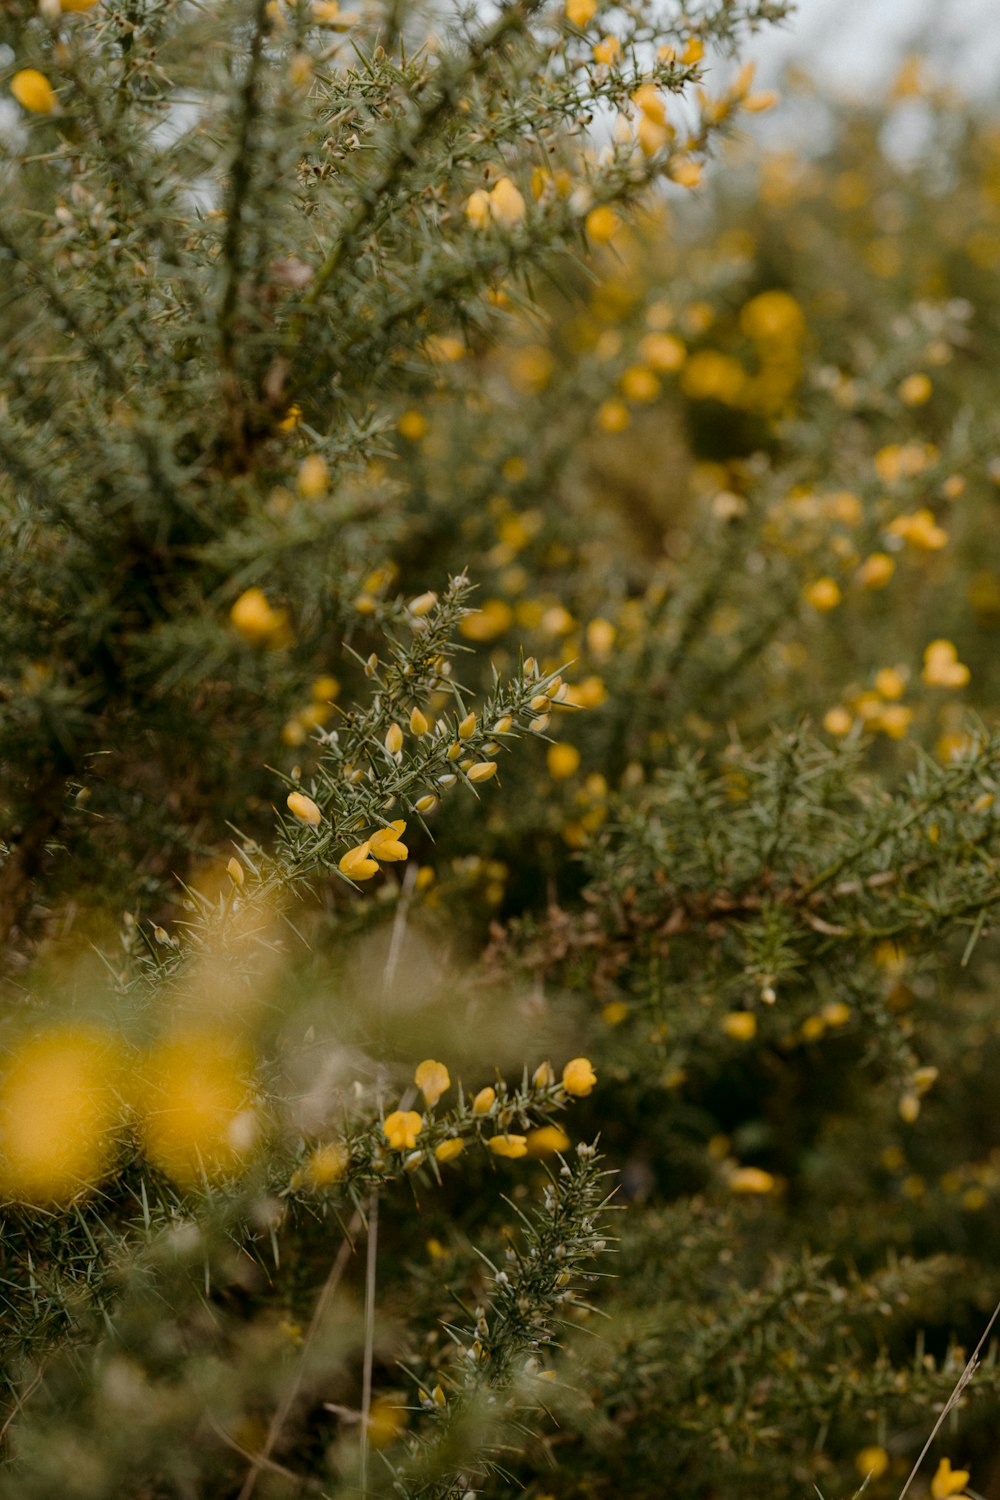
467,728
313,477
602,224
236,872
394,739
426,804
543,1076
449,1149
33,91
418,722
484,1101
303,808
482,770
423,604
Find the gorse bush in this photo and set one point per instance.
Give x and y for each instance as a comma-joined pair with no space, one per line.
499,822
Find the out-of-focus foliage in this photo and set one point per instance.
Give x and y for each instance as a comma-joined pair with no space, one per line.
602,578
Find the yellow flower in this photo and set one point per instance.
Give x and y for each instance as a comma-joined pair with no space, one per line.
663,352
484,1101
385,1423
685,172
751,1180
578,1077
412,426
502,204
326,1165
602,224
741,1025
581,12
477,208
546,1140
875,571
33,91
433,1079
639,384
823,595
915,389
401,1129
607,50
506,204
871,1462
948,1481
563,761
485,624
449,1149
890,683
942,667
58,1109
194,1115
613,416
386,845
757,103
313,477
254,618
512,1146
837,721
303,808
356,864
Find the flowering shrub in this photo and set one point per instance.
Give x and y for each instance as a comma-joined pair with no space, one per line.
518,651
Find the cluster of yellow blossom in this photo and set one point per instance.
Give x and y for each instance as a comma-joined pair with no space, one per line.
402,1127
323,694
502,204
385,846
68,1094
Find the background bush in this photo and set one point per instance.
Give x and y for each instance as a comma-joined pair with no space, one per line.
490,602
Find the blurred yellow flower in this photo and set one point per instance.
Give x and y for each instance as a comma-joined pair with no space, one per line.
751,1180
193,1104
942,667
563,761
871,1462
741,1025
602,224
59,1105
581,12
546,1140
948,1481
33,91
823,595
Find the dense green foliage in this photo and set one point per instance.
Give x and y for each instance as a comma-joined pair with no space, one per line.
601,578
